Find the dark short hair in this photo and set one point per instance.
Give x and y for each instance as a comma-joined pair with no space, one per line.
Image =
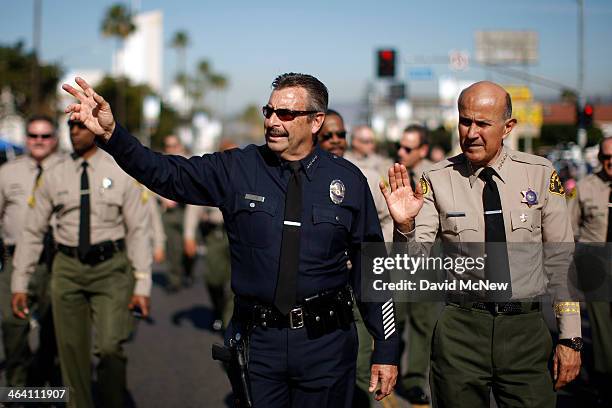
317,91
45,118
421,130
331,112
601,144
508,108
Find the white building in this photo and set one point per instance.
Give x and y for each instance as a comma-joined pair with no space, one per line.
140,58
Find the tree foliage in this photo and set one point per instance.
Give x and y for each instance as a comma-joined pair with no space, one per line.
15,73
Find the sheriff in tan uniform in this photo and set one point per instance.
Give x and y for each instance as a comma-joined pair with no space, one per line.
479,346
100,213
17,182
590,205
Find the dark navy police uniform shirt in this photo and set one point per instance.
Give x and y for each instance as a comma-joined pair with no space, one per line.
249,186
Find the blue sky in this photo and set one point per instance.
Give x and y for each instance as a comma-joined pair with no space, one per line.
253,41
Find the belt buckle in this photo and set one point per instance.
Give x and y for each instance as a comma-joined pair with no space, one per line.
296,318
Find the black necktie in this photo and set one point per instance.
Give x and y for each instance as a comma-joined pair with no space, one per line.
412,183
497,268
286,287
38,175
84,225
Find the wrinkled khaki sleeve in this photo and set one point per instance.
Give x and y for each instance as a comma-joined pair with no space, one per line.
193,216
575,212
159,236
138,237
30,243
557,229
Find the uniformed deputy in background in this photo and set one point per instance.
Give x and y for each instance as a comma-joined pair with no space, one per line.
217,255
99,212
173,216
590,205
420,316
158,237
294,215
18,179
490,193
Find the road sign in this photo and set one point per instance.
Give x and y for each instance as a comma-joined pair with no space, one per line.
458,60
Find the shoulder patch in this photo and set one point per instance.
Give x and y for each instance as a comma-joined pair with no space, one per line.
555,186
424,185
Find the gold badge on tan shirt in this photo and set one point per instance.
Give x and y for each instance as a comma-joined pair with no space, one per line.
555,186
31,201
572,194
424,185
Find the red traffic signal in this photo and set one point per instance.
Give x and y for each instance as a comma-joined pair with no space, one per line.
386,63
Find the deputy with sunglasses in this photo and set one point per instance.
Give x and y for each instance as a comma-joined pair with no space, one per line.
590,206
102,267
332,136
294,216
18,180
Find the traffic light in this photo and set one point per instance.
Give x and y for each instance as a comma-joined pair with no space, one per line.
386,63
584,116
587,115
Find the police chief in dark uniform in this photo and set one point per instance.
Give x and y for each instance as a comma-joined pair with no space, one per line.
294,215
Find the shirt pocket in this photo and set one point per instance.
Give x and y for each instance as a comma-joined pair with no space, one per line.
110,207
456,225
332,226
254,219
526,225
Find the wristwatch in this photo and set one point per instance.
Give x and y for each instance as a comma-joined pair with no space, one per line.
575,343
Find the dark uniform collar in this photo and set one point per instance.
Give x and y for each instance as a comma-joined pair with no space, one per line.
604,177
309,163
498,166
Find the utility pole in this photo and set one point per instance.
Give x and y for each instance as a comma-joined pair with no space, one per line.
582,133
36,28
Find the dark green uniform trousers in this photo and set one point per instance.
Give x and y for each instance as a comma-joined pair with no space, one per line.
363,398
218,273
84,296
178,263
421,320
474,352
23,367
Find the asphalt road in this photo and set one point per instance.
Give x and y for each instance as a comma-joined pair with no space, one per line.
169,358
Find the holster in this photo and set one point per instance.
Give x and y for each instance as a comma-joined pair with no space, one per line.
235,358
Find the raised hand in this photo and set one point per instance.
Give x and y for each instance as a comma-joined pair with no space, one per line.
93,111
403,203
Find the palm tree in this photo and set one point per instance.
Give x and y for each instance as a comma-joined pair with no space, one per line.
179,42
118,24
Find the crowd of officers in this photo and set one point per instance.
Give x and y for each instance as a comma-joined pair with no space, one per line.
79,236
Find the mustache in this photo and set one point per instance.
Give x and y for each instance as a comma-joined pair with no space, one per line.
276,133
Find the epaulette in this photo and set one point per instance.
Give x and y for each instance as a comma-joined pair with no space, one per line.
522,157
451,161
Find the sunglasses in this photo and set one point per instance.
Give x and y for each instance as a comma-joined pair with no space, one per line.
72,123
285,115
407,149
604,157
38,136
329,135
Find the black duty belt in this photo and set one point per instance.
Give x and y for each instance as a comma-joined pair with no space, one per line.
319,314
98,253
500,308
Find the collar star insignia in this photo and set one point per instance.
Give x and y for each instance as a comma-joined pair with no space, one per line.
523,217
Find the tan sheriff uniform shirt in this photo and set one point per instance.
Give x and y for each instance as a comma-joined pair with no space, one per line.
17,179
453,210
194,214
419,169
117,211
158,235
588,204
375,168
